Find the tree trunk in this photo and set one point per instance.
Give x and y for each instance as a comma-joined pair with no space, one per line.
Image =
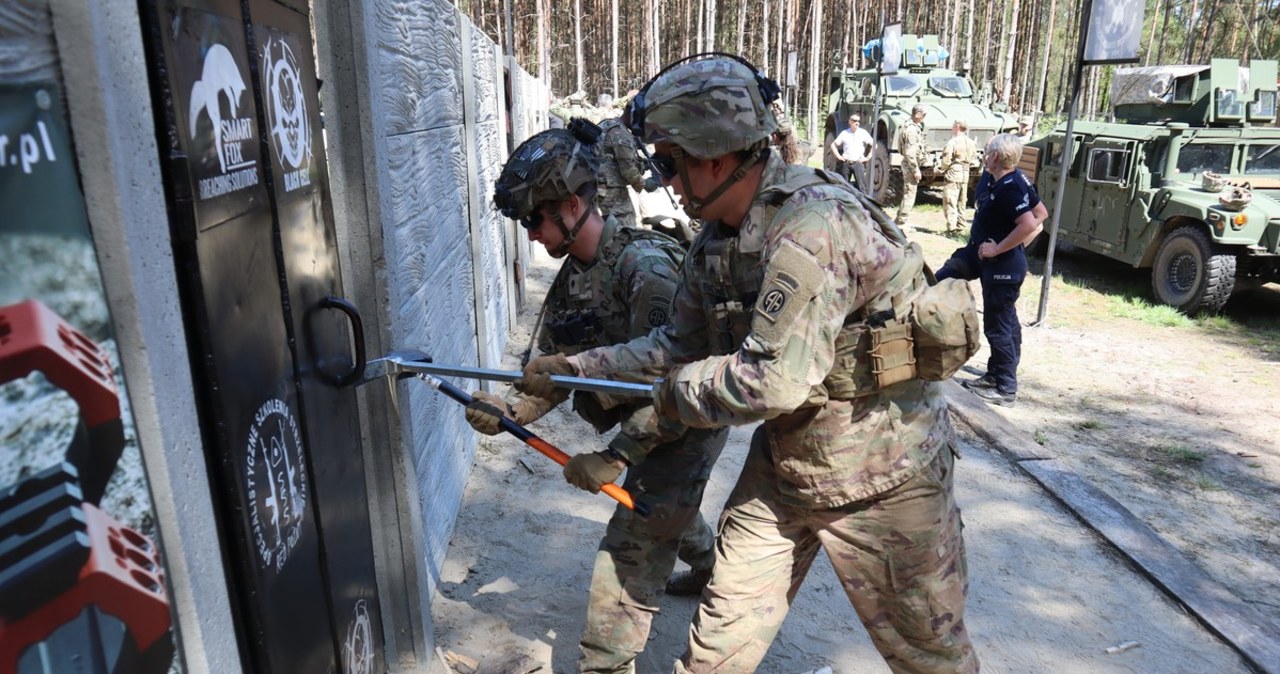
1011,39
742,26
986,44
577,40
1191,25
815,64
1044,69
764,36
968,43
614,73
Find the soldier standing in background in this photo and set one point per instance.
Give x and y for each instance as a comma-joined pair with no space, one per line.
616,283
957,156
771,324
1026,125
785,137
620,167
911,146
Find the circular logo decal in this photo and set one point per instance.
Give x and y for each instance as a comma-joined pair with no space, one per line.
773,301
657,317
358,648
277,482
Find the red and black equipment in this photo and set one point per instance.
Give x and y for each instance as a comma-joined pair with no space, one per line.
79,591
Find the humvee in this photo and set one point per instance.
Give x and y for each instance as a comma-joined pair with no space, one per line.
922,77
1136,189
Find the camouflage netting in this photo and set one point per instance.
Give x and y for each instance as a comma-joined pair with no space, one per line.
1154,84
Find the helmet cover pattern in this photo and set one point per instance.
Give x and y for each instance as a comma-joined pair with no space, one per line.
550,166
709,106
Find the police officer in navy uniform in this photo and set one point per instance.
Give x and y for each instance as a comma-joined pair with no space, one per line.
1008,215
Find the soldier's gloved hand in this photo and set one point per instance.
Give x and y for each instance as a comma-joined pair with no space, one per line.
590,471
651,184
916,175
536,379
485,412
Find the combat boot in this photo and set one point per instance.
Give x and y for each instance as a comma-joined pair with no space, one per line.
688,583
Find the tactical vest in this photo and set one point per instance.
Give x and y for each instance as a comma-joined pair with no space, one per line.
584,309
875,349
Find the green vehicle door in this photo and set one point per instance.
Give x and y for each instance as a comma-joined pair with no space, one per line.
1047,185
1108,189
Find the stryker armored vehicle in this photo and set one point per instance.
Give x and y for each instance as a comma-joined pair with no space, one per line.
1187,183
922,77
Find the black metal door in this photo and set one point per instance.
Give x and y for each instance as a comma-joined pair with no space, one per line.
236,95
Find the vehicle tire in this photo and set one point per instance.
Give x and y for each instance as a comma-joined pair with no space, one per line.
829,157
1189,275
886,181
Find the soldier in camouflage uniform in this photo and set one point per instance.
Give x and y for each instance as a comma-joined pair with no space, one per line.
789,278
620,167
911,146
958,155
617,282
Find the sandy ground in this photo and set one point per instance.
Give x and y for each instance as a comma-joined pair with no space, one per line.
1178,422
1046,594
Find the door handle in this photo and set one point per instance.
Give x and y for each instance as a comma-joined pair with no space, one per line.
357,337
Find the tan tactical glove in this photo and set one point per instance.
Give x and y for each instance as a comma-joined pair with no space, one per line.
537,376
486,411
591,471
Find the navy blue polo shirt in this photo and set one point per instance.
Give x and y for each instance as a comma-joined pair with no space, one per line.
997,206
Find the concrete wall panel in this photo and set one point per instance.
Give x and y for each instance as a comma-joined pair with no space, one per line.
419,58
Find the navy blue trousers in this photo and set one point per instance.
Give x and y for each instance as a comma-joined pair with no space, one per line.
999,316
1004,333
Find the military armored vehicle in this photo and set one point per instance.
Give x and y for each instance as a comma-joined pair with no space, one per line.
1187,183
923,77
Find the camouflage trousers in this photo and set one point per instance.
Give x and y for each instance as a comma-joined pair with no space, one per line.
909,187
637,553
954,196
616,201
899,556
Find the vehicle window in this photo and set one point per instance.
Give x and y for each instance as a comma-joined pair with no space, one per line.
1263,159
1264,105
1054,154
1230,104
868,87
951,85
1201,157
1107,166
900,85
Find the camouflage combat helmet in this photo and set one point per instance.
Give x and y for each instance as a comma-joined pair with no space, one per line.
709,104
548,168
706,106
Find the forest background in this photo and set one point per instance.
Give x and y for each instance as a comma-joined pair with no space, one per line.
1020,50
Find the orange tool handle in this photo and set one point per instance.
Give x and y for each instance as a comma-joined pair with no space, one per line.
552,452
545,448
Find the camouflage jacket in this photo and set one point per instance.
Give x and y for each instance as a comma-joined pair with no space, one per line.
958,155
816,258
911,145
621,165
624,293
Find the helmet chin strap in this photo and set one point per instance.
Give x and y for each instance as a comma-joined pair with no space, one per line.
696,203
568,234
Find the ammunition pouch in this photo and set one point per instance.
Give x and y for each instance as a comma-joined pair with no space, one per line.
928,332
575,329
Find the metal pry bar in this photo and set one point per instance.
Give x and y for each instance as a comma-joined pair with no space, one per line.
406,363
